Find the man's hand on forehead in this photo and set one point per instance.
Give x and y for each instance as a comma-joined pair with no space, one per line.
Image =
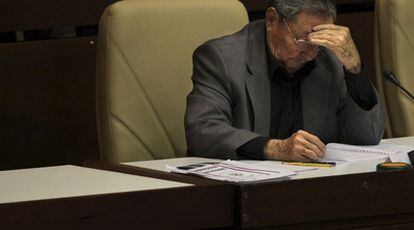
338,39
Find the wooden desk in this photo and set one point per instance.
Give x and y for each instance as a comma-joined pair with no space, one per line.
348,201
346,196
71,197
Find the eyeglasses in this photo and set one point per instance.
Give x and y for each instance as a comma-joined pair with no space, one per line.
303,44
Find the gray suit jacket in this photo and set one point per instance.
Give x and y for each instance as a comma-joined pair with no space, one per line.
230,102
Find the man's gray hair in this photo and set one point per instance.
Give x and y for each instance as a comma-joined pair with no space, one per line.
289,9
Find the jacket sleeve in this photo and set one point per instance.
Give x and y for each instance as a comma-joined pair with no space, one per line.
357,125
361,127
208,117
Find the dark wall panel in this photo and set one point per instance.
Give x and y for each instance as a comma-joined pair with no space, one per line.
41,14
260,5
361,25
47,102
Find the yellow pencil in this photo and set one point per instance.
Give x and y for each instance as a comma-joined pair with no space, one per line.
310,164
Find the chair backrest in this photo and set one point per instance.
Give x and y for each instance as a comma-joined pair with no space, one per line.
144,68
394,41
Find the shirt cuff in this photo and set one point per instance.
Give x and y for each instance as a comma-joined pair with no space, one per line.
253,149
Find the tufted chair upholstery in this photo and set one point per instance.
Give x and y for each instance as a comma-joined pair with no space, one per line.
144,67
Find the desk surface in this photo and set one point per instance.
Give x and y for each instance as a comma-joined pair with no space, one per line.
351,195
72,181
72,197
342,169
91,198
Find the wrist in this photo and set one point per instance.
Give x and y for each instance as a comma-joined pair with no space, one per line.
354,70
267,149
272,149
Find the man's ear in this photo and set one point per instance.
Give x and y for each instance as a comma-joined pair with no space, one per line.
272,18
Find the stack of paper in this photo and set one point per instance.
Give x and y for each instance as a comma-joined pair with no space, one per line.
232,171
351,153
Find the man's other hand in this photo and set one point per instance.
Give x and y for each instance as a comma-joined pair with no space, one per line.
301,146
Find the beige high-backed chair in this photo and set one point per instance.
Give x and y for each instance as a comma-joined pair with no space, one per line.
395,51
144,68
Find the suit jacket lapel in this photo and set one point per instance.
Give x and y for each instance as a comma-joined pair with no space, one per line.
257,84
315,88
315,97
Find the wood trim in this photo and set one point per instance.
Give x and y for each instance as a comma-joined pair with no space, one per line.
357,200
134,170
177,208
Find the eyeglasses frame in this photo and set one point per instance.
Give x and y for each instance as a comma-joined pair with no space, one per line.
302,43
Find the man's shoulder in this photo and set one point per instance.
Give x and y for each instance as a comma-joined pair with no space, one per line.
238,40
231,40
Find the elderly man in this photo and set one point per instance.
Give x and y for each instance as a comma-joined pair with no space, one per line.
281,88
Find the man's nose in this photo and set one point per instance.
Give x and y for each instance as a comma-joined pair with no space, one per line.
309,54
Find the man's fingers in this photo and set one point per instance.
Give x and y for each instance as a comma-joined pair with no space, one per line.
308,145
314,141
310,155
300,154
328,44
323,42
303,146
314,148
302,158
328,26
328,37
334,45
328,31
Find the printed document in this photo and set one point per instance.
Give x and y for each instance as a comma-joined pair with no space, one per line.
351,153
235,171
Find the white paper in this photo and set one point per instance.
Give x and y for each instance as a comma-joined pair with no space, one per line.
401,157
351,153
280,165
231,171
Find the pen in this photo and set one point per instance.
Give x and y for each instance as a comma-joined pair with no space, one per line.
311,164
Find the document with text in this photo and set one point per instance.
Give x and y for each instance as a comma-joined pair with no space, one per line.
235,171
351,153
